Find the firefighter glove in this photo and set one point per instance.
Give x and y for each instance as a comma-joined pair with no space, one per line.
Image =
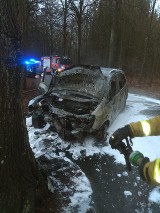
118,136
143,169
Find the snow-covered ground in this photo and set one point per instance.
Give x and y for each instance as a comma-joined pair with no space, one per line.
48,144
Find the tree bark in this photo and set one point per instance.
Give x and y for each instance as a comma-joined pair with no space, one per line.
18,171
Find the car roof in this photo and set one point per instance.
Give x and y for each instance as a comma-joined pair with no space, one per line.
104,71
109,71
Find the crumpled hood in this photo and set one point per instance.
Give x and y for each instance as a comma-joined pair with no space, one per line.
80,80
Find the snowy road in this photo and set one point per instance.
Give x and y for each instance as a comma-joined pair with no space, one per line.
98,179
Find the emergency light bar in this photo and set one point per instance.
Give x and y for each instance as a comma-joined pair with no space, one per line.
31,61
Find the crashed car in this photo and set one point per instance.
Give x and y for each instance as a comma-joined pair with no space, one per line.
79,101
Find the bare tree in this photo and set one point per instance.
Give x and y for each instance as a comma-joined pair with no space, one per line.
19,174
65,8
148,36
78,8
115,39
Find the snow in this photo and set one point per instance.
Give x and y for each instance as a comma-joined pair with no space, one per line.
82,189
154,196
127,193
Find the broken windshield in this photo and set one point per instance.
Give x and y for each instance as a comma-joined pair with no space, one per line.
81,83
65,61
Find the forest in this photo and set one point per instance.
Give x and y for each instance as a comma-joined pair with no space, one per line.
114,33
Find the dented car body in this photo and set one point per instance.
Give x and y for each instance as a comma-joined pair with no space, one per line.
81,99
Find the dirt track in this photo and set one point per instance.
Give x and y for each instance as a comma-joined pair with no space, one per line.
30,91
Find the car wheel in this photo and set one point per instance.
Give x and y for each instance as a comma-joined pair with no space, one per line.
38,119
101,134
66,135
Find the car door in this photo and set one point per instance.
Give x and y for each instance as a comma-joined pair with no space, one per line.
116,94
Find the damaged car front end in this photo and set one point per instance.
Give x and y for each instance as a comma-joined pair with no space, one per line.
76,102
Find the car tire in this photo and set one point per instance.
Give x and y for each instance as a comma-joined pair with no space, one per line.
101,134
38,119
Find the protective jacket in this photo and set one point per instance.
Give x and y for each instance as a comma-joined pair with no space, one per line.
151,127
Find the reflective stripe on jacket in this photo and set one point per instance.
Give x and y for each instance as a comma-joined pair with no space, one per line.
149,127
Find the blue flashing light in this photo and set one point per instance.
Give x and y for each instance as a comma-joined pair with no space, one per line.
31,61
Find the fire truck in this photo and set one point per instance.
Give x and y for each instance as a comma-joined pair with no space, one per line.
56,63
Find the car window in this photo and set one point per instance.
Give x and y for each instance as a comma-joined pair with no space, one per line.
113,86
65,61
57,60
121,80
53,60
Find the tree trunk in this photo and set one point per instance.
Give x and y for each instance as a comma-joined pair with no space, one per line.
115,40
18,167
65,27
79,41
147,39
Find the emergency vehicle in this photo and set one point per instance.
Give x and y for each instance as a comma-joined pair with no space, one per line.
33,67
56,63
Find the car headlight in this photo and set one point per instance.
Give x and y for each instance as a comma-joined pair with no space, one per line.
59,69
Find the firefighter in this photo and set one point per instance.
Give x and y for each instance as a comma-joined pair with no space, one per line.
149,171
